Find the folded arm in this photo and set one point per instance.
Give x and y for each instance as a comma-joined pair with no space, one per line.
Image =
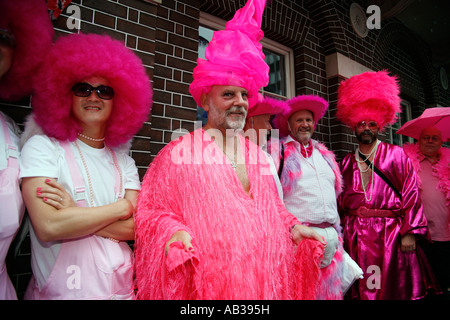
68,222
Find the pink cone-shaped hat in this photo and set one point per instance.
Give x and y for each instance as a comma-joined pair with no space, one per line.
234,56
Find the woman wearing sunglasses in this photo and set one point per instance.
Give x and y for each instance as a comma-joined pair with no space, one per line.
79,184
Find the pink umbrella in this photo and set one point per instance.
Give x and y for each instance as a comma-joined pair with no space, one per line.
432,117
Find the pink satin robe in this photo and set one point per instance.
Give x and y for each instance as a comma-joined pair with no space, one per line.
374,243
242,243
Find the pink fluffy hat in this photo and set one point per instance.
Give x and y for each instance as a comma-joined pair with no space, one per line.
72,59
317,105
369,96
266,105
234,56
29,23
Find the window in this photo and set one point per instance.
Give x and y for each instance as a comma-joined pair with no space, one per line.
278,57
405,116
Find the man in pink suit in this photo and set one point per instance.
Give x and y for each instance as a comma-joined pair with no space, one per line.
209,222
382,216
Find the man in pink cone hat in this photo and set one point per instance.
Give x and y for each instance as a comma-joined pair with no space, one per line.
431,161
380,205
311,182
209,224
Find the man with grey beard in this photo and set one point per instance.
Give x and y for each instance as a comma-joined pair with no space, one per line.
209,224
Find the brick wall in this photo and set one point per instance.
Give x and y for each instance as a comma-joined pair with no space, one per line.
176,54
165,38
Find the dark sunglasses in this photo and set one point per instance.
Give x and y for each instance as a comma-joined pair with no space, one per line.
83,89
370,124
7,39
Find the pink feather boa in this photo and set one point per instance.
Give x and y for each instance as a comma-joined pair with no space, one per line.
442,167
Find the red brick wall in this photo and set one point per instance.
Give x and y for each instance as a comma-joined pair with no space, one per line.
165,38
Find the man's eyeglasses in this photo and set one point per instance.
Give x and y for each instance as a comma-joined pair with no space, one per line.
83,89
370,124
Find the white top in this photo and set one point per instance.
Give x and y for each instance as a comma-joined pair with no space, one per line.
44,157
312,198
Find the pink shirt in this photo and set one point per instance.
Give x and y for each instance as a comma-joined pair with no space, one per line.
436,212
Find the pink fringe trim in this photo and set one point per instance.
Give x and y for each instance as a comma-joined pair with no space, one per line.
307,270
330,278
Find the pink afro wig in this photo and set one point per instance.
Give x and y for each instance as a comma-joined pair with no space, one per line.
74,58
317,105
369,96
29,22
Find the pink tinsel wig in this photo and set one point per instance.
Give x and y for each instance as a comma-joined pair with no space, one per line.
234,56
317,105
369,96
29,22
74,58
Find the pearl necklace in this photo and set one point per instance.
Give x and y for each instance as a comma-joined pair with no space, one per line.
89,138
91,190
361,171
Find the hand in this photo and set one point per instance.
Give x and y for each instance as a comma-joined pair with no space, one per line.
126,208
182,236
55,195
408,243
299,232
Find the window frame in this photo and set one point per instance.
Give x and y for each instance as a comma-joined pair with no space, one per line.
213,22
406,109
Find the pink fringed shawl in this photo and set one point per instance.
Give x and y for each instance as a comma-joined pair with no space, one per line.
243,248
